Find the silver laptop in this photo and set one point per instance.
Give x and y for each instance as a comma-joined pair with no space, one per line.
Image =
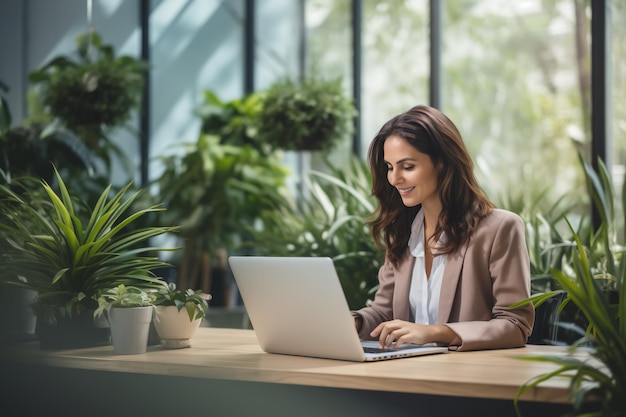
297,307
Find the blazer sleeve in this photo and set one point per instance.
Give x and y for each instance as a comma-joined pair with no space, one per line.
381,309
509,270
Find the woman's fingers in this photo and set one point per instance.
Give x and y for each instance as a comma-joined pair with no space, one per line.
389,332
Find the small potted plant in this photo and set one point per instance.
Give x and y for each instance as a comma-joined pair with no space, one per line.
129,311
178,315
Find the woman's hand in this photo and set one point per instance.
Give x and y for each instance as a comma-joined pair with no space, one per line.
400,331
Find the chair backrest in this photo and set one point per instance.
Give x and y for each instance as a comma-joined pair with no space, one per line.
555,327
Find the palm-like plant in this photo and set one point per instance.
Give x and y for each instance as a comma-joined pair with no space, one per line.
70,256
595,283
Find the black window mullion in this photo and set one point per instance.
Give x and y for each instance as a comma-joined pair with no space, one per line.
144,118
249,46
357,20
600,137
435,53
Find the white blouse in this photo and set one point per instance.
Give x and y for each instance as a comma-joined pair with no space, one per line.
424,292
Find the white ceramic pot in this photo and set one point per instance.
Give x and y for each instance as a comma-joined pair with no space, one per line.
174,327
129,329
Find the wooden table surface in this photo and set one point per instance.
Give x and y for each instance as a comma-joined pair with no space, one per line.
234,354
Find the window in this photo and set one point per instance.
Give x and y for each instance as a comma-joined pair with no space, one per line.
517,85
617,98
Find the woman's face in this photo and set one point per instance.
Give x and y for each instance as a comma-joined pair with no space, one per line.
411,172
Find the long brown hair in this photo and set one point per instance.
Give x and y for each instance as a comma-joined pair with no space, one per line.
463,201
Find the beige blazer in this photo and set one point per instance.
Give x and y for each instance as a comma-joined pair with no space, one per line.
480,279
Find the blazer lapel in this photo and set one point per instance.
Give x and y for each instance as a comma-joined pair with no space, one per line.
403,286
451,275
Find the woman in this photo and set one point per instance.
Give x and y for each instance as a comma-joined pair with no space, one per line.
454,262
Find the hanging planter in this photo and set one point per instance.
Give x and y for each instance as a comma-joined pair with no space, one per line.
93,93
313,115
97,89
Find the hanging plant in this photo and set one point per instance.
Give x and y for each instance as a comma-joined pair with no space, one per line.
90,94
27,149
94,92
313,115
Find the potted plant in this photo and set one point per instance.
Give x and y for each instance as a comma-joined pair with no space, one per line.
129,311
311,115
235,122
594,281
178,314
17,320
69,253
214,191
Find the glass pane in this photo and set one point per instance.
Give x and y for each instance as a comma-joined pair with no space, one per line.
194,46
329,39
396,63
329,54
617,89
517,85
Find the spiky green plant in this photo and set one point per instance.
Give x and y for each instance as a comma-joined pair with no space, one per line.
594,281
70,255
604,311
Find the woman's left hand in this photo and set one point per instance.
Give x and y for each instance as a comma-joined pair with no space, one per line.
400,331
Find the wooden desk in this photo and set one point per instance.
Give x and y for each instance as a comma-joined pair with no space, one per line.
226,370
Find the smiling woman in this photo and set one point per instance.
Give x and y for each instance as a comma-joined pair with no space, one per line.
454,262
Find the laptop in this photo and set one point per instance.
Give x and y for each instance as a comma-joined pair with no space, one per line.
296,306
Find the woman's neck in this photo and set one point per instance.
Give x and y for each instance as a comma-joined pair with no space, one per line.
431,218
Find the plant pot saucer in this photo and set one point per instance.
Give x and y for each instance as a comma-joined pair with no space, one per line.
175,343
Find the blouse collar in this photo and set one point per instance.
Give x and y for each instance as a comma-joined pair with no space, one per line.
416,239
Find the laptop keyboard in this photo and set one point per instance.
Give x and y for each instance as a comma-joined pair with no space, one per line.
377,350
